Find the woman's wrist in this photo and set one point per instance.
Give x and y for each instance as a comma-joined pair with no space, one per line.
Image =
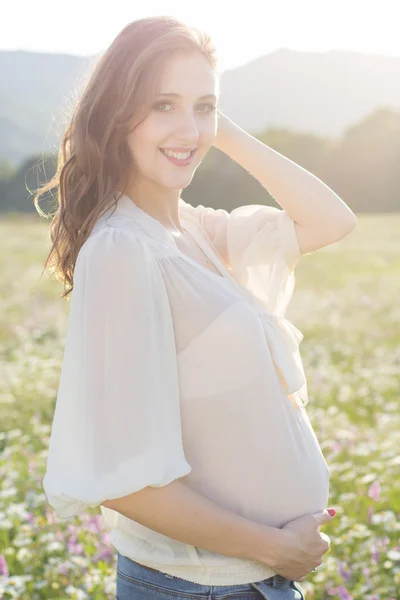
265,544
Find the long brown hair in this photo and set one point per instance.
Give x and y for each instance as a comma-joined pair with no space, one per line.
94,160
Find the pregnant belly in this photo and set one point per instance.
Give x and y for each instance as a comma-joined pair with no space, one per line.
270,474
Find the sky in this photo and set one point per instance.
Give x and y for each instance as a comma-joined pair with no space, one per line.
241,34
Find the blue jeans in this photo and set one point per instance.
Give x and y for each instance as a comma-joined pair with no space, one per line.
137,582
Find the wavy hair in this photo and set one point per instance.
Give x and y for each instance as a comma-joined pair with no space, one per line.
94,160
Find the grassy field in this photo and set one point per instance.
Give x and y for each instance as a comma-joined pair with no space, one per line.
347,305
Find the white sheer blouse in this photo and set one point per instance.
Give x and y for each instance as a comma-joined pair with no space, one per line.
173,371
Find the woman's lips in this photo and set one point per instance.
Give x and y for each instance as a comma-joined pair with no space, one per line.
180,162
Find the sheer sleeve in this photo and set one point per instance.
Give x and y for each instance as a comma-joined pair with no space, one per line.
117,426
259,244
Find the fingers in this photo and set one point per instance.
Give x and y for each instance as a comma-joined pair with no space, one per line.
324,516
326,539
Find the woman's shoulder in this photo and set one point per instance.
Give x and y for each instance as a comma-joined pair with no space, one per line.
193,212
109,222
113,243
117,258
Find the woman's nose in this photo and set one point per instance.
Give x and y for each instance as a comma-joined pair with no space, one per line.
188,129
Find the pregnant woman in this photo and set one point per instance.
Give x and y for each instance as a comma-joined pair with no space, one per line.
181,402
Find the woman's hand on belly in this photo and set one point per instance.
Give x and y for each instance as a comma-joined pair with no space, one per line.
300,546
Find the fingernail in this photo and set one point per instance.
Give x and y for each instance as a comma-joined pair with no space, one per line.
332,512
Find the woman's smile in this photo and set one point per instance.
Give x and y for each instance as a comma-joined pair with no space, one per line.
179,159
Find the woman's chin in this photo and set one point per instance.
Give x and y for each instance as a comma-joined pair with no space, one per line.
177,183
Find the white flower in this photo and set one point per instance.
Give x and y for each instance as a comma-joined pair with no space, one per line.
47,537
18,510
20,542
55,546
5,523
75,593
8,493
24,555
14,433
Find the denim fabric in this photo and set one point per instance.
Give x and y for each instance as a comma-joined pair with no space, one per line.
137,582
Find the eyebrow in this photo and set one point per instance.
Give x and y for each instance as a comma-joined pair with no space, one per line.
178,96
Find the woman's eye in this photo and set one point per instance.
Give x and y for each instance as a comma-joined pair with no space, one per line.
210,107
161,104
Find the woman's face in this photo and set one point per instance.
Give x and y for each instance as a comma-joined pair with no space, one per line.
185,119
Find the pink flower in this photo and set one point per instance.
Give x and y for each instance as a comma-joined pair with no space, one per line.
374,491
3,566
375,554
343,593
344,573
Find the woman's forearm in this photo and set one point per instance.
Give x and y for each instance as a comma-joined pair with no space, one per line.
307,200
175,510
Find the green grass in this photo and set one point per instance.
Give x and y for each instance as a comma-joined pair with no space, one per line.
346,303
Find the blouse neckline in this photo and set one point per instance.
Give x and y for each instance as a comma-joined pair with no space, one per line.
127,207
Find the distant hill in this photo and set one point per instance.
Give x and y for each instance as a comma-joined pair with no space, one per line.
35,90
319,93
